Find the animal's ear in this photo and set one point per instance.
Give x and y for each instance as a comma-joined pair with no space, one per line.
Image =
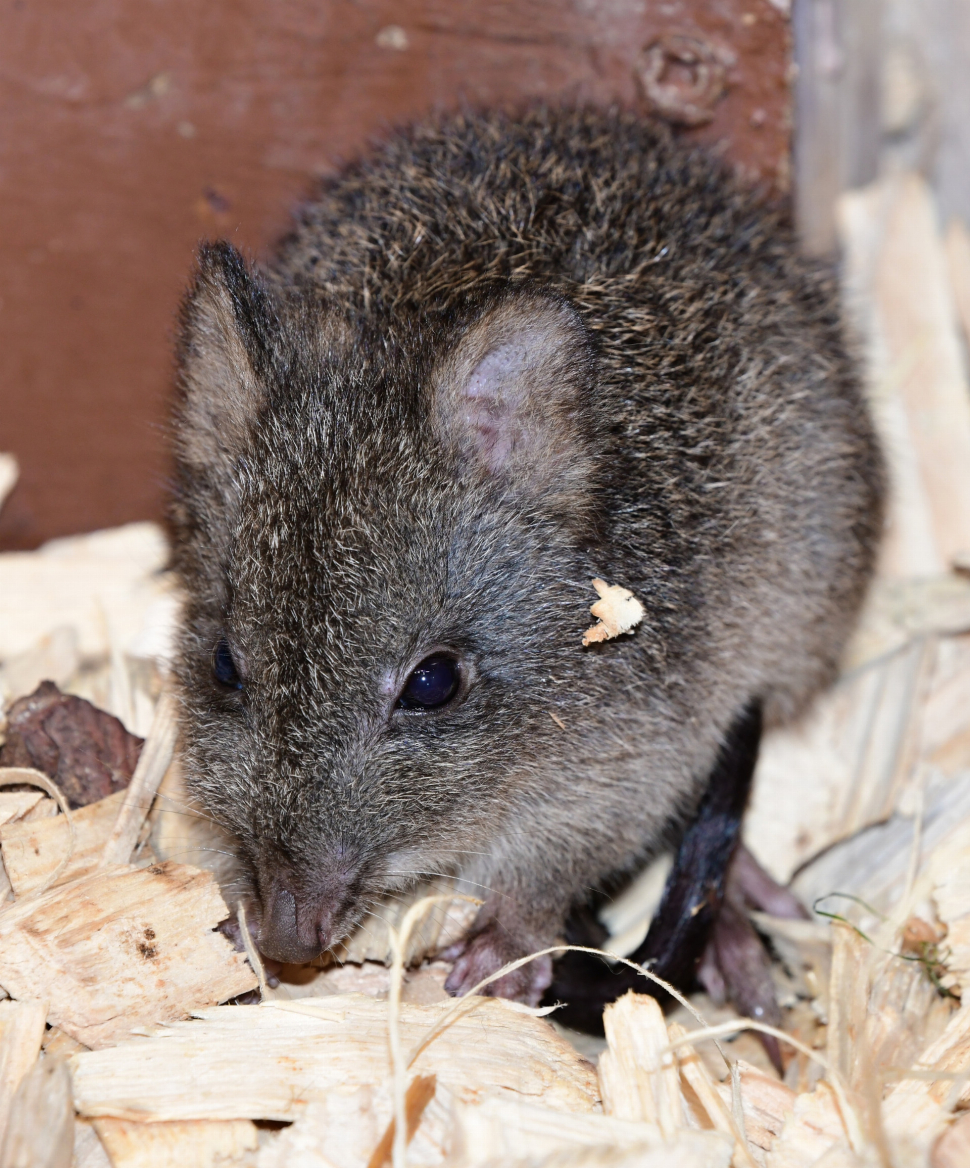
223,328
513,399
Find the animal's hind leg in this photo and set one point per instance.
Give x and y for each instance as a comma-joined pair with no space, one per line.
692,898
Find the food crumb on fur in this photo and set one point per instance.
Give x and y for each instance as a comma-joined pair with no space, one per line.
617,611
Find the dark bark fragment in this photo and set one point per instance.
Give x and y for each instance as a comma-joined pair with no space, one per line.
86,751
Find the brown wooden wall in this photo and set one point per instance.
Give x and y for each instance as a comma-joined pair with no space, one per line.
131,129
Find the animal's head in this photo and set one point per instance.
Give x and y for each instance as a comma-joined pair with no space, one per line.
380,527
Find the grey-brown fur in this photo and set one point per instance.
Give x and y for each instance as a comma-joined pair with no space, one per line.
671,408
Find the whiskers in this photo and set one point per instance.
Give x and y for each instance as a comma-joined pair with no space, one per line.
417,875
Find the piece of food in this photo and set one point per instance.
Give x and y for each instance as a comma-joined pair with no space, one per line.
617,611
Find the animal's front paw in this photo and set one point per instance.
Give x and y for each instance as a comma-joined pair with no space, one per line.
483,953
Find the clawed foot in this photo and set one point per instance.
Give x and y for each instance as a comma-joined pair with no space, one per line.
735,966
484,952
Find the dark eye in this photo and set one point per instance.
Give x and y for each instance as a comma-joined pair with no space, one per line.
223,667
434,683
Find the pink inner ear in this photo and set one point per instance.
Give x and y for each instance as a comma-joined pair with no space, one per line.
495,392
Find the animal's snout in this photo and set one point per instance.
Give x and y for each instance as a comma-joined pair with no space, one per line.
298,922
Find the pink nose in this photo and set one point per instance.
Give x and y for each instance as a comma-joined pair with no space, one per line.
296,927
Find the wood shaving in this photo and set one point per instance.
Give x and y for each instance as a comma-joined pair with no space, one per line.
33,849
121,949
270,1061
199,1144
21,1032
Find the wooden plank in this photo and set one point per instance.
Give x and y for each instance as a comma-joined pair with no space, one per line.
837,110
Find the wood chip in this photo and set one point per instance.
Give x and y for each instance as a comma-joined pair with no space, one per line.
637,1080
76,581
949,875
21,1033
443,924
33,849
347,1125
197,1144
850,761
40,1129
424,985
498,1129
848,1003
54,658
420,1091
44,809
14,805
766,1104
903,1014
813,1130
896,265
153,762
952,1149
88,1150
913,1110
122,949
714,1111
57,1042
691,1149
617,611
270,1061
340,1131
958,266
